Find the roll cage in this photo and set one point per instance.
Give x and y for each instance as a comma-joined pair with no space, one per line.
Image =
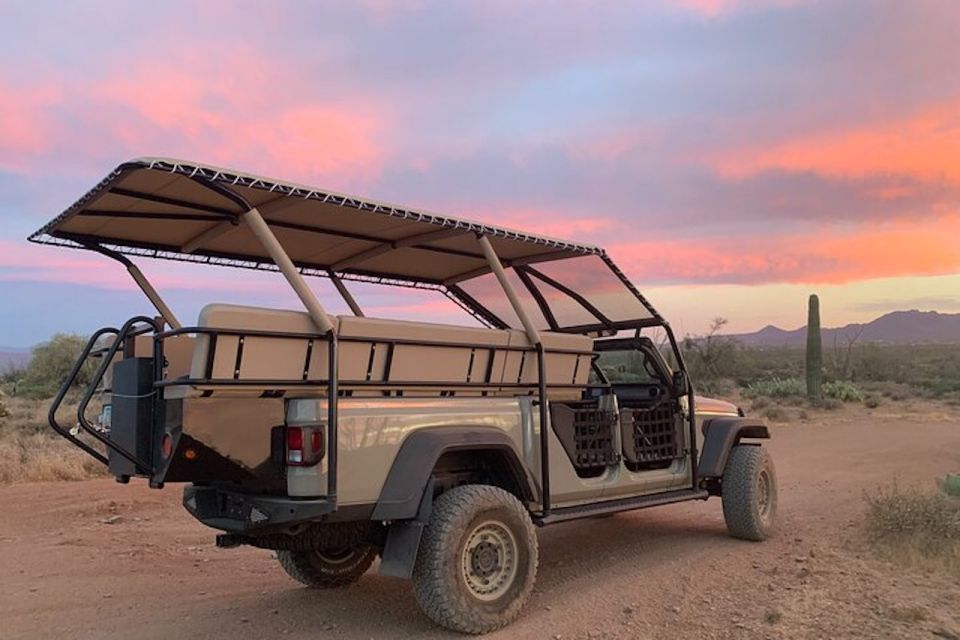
175,210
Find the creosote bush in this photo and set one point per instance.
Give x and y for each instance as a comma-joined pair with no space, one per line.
776,388
50,364
913,526
842,390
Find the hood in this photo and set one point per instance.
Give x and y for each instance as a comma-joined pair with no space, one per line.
713,406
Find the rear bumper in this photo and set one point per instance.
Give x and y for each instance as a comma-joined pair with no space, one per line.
244,513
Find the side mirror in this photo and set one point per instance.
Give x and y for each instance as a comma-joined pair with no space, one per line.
680,385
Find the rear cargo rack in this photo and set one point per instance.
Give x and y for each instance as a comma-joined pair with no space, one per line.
122,336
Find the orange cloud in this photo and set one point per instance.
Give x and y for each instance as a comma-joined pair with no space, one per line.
901,248
925,145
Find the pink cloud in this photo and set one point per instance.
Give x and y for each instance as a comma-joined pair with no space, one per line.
714,8
26,132
557,224
267,118
20,262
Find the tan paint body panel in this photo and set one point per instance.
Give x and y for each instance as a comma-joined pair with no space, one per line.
236,421
371,433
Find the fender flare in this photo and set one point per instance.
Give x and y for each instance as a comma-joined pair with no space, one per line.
411,472
721,435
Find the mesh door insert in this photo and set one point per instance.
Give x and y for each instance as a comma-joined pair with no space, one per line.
586,433
650,437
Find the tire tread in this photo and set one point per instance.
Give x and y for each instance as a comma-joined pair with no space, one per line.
438,599
739,492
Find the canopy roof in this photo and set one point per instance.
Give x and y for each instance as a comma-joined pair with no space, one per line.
178,210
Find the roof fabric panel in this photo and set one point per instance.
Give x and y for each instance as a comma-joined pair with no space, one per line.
175,209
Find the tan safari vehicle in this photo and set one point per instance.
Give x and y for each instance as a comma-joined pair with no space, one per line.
438,448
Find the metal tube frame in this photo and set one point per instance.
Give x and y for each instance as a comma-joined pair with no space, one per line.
142,282
269,241
126,332
345,293
261,230
534,337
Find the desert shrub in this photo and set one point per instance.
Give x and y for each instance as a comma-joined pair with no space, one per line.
31,451
827,404
950,485
50,364
4,412
871,401
776,388
913,526
775,413
940,386
842,390
715,387
712,356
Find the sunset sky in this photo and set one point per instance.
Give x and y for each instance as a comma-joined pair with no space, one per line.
732,156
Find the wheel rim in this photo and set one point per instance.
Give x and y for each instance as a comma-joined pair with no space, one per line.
764,495
489,560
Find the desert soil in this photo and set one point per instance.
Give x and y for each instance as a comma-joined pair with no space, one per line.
99,560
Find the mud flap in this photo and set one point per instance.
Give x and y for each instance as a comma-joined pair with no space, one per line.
403,540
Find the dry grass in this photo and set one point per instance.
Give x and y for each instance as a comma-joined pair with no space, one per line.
30,451
916,528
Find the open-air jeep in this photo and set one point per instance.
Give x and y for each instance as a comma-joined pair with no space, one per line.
334,440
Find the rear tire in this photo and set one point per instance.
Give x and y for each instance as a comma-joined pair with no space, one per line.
327,569
749,493
477,560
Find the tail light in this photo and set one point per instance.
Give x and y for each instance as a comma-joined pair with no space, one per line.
166,446
304,445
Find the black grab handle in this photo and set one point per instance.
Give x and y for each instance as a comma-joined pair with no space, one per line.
65,387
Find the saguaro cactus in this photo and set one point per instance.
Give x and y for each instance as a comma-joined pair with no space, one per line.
814,350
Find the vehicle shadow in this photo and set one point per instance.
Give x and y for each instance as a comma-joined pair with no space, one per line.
571,558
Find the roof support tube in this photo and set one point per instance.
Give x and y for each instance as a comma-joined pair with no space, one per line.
532,334
142,282
269,241
345,293
534,337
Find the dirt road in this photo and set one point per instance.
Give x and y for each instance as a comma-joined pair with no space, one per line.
99,560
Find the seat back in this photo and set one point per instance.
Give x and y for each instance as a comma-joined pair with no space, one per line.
375,350
256,357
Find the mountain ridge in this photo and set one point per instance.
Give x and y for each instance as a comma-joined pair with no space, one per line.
897,327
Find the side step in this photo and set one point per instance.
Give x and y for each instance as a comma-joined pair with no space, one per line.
623,504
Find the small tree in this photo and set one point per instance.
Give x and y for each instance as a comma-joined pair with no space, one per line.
50,364
711,356
814,362
843,355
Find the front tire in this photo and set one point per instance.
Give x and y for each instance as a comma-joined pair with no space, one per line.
749,493
477,560
330,568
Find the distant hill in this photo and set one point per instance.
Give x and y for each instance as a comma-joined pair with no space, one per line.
898,327
13,357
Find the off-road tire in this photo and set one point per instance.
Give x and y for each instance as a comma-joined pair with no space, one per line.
749,492
444,570
327,570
